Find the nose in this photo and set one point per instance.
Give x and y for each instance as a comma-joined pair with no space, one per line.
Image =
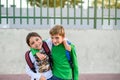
36,44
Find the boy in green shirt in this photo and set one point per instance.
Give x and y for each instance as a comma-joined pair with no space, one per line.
61,67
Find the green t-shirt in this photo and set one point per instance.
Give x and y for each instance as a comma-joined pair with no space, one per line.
61,66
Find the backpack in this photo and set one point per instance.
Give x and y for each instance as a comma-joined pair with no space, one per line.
47,51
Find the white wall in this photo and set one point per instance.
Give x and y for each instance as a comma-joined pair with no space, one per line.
97,50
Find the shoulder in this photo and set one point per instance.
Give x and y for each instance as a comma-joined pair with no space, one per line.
71,44
49,43
48,40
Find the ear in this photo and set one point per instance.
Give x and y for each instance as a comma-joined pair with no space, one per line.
63,37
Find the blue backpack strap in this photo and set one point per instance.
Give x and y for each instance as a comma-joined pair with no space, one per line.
69,56
68,53
70,60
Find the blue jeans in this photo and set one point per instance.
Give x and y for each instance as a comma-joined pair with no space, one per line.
56,78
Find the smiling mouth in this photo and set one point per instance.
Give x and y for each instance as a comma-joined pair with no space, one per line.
55,43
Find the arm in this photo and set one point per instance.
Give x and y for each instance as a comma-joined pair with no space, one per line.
75,63
29,71
67,46
33,75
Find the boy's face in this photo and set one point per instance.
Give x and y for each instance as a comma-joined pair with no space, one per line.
35,42
57,39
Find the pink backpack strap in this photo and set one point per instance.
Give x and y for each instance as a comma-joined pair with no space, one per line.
29,62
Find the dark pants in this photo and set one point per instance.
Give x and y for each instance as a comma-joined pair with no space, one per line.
56,78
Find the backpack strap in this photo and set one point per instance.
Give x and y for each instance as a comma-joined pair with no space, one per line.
70,60
69,56
29,62
48,52
46,48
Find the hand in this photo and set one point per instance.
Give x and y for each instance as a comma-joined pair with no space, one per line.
41,56
42,78
67,46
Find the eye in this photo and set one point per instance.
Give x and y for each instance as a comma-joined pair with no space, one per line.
57,37
32,43
37,39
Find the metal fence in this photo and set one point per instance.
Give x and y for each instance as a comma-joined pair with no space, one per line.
20,14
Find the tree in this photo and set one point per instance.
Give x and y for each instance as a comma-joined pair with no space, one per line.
107,3
53,3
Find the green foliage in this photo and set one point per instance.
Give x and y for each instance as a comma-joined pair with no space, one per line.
53,3
107,3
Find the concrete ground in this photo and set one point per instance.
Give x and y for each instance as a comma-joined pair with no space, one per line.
81,77
14,77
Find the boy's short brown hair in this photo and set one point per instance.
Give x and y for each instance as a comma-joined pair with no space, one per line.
57,29
31,34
